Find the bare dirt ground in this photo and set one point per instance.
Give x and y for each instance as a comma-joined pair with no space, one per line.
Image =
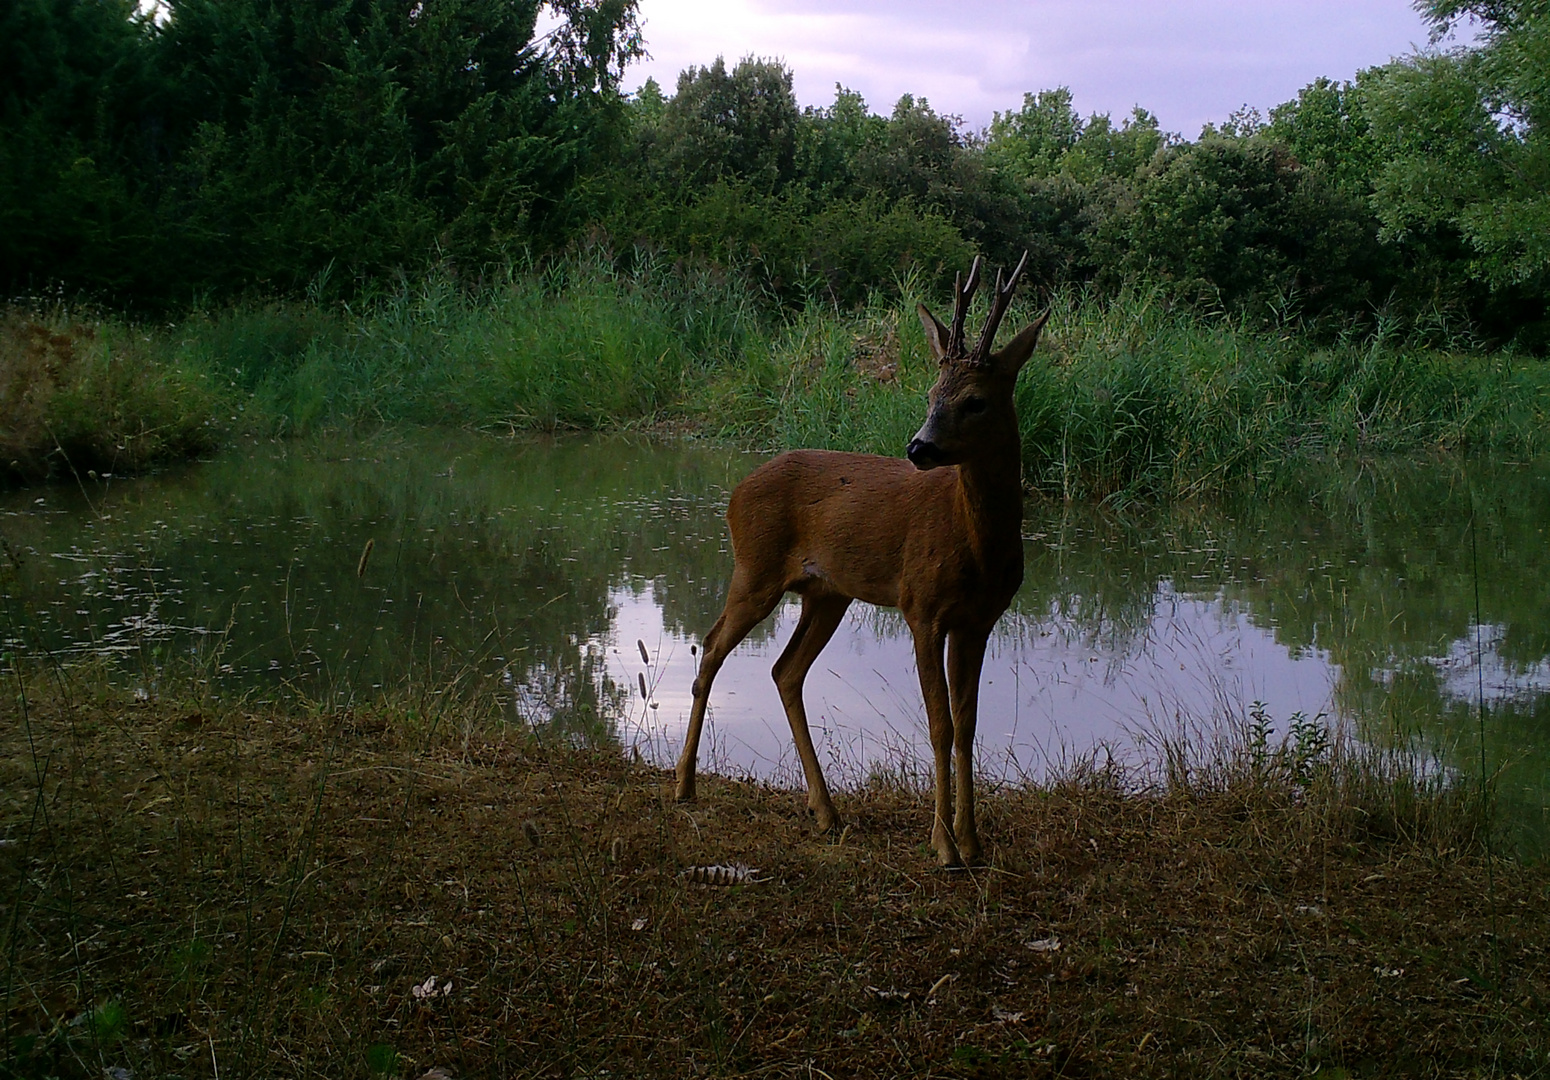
196,891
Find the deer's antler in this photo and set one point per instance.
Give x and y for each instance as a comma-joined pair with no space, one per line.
963,292
998,306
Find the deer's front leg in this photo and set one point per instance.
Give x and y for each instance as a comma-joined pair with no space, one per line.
965,657
933,687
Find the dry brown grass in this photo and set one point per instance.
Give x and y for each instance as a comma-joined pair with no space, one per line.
261,892
33,359
79,395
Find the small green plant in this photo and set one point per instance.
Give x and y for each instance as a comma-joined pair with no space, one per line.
382,1059
1297,759
188,961
108,1023
1258,737
1308,747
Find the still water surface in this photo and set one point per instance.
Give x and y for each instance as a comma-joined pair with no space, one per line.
568,573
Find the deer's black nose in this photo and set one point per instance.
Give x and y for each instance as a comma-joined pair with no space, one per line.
922,454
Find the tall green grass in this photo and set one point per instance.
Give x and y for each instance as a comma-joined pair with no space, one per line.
577,345
1136,398
1127,398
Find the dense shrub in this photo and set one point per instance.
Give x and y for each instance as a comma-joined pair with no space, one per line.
1241,225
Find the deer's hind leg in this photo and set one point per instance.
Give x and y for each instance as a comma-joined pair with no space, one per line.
821,615
745,608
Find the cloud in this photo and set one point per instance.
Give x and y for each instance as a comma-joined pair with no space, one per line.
1188,61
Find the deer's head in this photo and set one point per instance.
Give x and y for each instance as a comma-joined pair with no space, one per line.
970,408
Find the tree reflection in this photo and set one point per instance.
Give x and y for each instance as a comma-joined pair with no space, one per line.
500,557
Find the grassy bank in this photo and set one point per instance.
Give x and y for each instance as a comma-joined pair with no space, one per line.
201,890
81,393
1133,398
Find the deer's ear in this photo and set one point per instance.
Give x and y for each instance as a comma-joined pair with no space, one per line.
936,333
1016,353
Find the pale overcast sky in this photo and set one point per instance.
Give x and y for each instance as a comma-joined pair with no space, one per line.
1188,61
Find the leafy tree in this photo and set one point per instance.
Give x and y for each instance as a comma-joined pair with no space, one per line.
594,41
800,251
1114,153
73,79
367,132
1327,128
915,157
831,141
259,142
1047,137
922,157
1465,145
1066,169
1238,224
739,124
829,203
1032,143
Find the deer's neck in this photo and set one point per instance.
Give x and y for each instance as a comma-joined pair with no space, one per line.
990,505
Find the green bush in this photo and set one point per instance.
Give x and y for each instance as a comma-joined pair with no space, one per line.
838,253
1239,225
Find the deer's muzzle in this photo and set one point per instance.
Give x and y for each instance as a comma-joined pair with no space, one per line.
922,454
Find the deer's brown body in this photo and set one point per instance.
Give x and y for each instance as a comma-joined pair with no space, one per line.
937,536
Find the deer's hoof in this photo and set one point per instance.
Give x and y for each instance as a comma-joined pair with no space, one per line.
947,854
826,820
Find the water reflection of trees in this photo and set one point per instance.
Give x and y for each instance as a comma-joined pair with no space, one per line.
1372,566
502,557
486,554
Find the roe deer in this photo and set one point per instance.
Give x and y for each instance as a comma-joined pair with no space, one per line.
938,536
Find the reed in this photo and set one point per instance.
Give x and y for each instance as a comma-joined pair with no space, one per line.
1136,398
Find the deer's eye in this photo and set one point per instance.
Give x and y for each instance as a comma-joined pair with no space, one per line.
974,405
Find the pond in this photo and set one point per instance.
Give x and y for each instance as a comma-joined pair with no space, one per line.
572,575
